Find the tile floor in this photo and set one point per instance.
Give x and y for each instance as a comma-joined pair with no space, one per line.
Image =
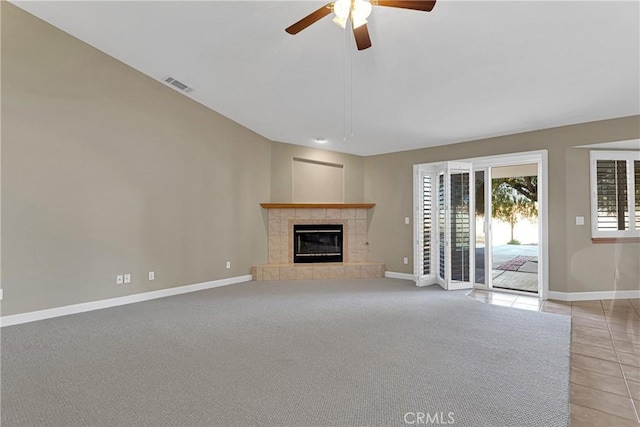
605,355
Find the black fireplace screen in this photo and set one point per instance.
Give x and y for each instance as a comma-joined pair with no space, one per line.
317,243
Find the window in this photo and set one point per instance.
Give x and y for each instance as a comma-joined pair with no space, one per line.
615,194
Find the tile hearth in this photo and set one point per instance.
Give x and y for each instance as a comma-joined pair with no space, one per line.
281,265
318,271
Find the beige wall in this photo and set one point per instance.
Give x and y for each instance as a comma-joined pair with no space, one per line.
0,159
592,267
515,171
282,178
106,171
575,265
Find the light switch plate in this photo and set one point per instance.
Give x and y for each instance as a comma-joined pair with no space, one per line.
579,220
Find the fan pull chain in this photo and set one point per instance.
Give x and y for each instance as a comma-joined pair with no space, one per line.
347,130
344,89
350,92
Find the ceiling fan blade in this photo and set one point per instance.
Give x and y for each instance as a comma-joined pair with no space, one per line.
310,19
361,35
423,5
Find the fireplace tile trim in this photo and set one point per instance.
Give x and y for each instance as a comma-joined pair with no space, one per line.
281,221
280,244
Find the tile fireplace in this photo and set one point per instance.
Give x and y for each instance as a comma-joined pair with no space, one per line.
288,227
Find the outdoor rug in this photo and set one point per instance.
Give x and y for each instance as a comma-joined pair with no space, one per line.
514,263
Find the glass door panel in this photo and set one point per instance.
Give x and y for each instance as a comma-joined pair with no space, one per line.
441,228
480,246
514,230
460,236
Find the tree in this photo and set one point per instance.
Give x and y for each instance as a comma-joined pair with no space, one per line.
509,202
527,186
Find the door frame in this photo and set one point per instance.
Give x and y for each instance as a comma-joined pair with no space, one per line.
540,157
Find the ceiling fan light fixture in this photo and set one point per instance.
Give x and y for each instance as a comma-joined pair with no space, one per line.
361,9
340,22
357,11
342,8
358,22
360,12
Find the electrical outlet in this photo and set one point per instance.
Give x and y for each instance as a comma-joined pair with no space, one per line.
152,275
617,274
119,279
405,260
406,220
228,265
127,278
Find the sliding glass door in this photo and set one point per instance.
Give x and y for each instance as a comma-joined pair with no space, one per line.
478,224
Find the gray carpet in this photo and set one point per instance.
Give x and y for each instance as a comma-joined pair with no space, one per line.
361,352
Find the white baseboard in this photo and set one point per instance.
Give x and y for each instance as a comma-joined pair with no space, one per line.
586,296
16,319
403,276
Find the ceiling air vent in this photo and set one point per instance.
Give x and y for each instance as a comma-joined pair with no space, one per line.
178,84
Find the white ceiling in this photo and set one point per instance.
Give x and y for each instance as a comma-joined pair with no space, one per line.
465,71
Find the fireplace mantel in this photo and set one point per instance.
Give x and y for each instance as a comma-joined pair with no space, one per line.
317,205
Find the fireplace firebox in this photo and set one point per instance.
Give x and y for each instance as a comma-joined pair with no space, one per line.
317,243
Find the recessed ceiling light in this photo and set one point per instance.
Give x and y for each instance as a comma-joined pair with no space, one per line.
320,140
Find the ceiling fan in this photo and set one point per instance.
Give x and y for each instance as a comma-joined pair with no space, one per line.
358,11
